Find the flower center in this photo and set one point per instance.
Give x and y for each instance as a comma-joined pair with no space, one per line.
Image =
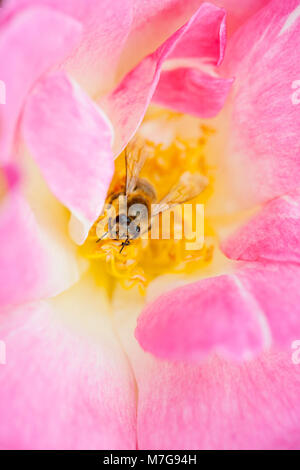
178,240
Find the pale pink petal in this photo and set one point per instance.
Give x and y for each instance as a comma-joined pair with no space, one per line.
273,234
106,25
215,314
70,139
263,155
127,104
32,264
26,54
61,387
218,404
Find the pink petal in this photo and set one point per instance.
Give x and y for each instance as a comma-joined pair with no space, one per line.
275,288
238,12
26,54
215,403
153,22
264,128
32,264
106,25
237,315
127,104
215,314
271,237
70,139
62,388
9,176
273,234
219,404
189,90
205,37
183,86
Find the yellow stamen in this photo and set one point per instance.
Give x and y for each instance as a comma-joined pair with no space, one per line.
143,260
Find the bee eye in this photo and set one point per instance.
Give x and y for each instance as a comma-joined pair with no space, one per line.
122,219
134,230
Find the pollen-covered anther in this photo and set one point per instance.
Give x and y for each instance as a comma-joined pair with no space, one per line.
137,248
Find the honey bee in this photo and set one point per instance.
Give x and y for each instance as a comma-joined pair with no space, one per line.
139,191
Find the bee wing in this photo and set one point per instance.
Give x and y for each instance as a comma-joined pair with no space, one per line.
135,156
189,186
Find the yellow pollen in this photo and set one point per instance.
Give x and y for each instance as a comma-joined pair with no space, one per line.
144,259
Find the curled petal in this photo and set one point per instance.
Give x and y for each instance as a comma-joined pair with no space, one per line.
153,22
127,104
205,37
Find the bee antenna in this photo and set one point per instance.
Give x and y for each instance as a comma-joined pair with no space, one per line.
101,238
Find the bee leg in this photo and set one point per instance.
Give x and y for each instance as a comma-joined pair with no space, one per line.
125,243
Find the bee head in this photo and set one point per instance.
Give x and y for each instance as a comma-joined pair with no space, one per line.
127,227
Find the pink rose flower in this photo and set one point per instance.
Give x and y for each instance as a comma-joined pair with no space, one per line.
205,361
